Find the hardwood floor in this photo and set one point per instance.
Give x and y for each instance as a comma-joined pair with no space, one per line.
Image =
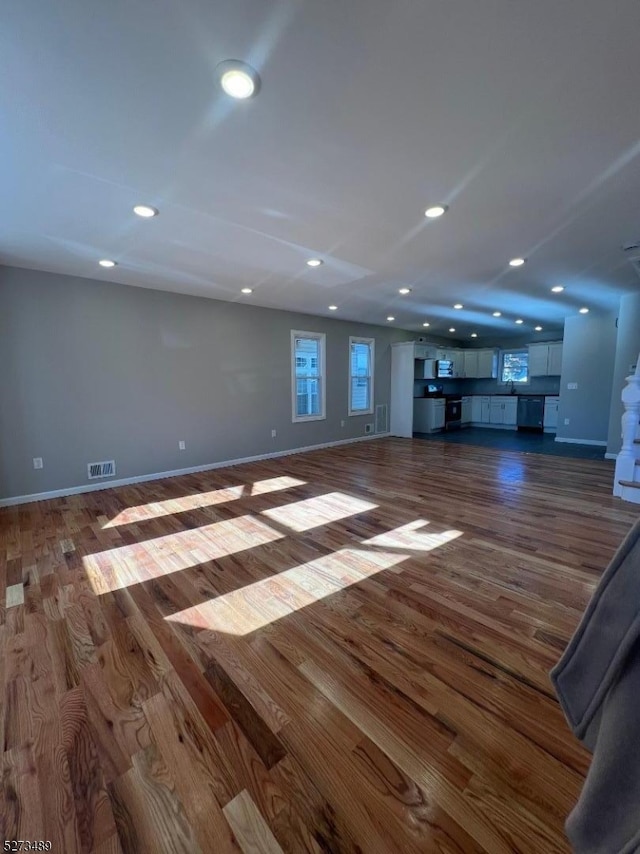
340,651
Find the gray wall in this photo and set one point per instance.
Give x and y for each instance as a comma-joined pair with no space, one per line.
588,357
627,349
97,371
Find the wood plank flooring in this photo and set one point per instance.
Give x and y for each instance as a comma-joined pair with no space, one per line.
339,651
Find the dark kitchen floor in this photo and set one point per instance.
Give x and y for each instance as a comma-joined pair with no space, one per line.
516,440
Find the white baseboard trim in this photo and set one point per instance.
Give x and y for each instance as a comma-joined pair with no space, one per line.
608,456
143,478
583,442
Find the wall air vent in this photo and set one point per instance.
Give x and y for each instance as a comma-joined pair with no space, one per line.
96,470
382,418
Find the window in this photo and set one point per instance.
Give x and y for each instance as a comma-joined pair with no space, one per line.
307,376
361,361
514,366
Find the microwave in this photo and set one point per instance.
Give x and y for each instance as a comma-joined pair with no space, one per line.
444,368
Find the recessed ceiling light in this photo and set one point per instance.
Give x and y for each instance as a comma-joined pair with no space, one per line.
497,314
519,321
315,262
333,308
584,310
452,329
238,79
404,291
557,289
106,262
425,324
517,262
247,290
435,211
145,211
538,328
458,305
474,334
391,317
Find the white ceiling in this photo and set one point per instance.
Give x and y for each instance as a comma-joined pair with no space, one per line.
523,117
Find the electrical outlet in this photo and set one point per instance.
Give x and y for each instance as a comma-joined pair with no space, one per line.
342,423
274,433
566,421
572,386
37,462
368,428
182,445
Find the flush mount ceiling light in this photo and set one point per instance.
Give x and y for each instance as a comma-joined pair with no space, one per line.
391,317
474,334
106,262
452,329
145,211
246,291
497,314
517,262
333,308
315,262
425,324
238,80
584,310
519,321
435,211
404,291
538,328
458,305
557,289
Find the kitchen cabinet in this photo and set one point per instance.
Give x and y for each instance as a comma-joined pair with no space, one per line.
504,410
480,408
455,356
424,369
467,409
470,363
545,360
428,414
487,364
425,351
551,413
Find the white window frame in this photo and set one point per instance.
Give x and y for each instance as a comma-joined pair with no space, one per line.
322,340
372,363
503,353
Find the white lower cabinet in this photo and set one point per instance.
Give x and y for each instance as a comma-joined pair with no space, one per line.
428,415
504,410
466,410
551,413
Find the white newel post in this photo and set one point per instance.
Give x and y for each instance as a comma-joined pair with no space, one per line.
626,461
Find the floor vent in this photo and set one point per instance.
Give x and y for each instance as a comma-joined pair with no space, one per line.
95,470
382,418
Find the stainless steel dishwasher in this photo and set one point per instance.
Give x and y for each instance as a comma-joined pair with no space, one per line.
530,412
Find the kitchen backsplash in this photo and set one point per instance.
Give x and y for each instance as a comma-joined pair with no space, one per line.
536,385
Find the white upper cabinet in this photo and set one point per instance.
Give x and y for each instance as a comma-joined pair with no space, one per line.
545,360
487,364
470,363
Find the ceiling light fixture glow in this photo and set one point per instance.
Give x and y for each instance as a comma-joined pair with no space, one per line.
435,211
315,262
107,262
247,291
458,305
238,80
145,211
497,314
333,308
517,262
557,289
474,334
519,321
452,329
584,310
391,317
538,328
404,291
425,324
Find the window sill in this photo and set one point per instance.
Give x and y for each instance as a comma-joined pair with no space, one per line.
302,418
360,412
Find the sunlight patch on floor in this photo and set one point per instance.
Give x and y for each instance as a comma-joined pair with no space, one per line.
174,506
411,536
122,566
274,484
321,510
252,607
